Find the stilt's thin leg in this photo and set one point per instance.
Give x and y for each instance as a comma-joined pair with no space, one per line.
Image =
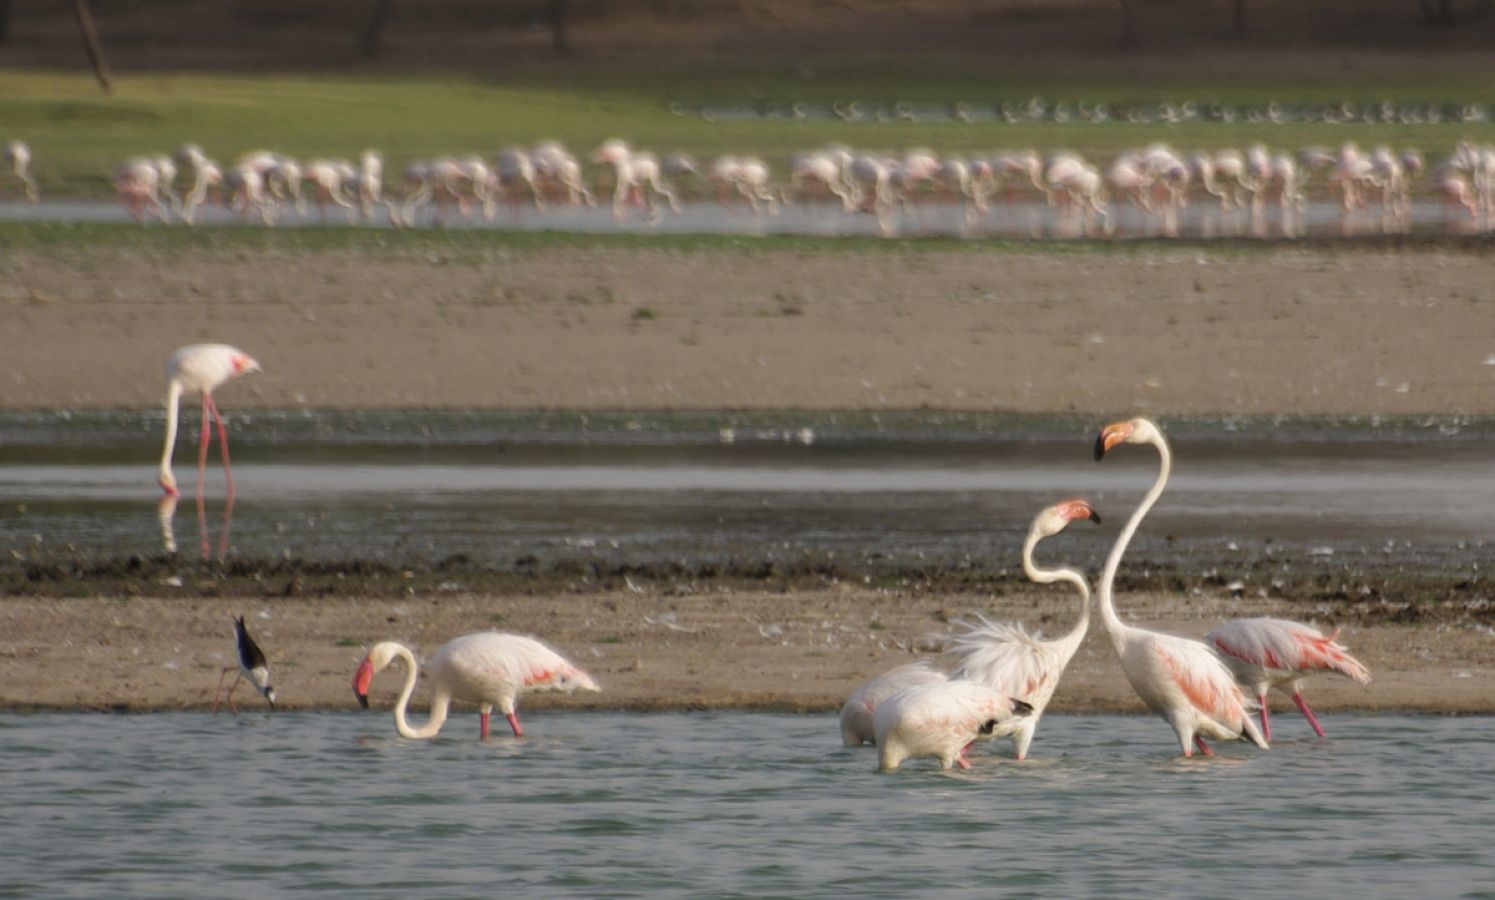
219,689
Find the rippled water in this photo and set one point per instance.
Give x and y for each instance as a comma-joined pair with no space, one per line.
728,804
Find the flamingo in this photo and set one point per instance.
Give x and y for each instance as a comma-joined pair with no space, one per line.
857,712
489,668
1266,652
1180,679
201,368
252,668
1007,657
943,719
18,156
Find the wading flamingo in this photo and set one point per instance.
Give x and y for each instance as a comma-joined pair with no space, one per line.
201,368
489,668
18,156
857,712
252,668
1180,679
943,720
1266,653
1007,657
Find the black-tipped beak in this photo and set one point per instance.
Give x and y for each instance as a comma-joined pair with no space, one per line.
1021,707
363,700
1095,517
1100,446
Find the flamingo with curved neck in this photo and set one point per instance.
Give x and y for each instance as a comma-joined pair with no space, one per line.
1008,658
1180,679
201,368
489,669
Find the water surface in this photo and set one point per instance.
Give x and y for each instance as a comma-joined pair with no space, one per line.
734,804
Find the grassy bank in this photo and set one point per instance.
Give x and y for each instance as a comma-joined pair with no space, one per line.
79,136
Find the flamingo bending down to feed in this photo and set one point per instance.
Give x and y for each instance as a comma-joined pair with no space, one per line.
1180,679
489,668
861,706
943,719
201,368
1007,657
1265,653
252,668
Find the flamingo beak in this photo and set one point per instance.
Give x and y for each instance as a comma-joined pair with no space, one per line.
361,679
1076,509
1110,436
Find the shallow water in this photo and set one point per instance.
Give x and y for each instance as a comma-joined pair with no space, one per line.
729,804
1015,219
419,488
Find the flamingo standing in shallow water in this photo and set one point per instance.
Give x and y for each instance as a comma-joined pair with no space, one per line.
1180,679
252,668
861,706
1007,657
201,368
1265,653
943,719
489,669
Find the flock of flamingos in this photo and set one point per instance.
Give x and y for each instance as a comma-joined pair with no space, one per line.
1204,689
1157,181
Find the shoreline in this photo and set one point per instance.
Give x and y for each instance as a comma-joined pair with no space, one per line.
653,650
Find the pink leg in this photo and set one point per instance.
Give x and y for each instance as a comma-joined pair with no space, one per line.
961,760
483,726
514,724
1308,714
228,472
1266,724
202,447
1203,747
219,690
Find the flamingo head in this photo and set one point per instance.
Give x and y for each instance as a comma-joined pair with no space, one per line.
1055,518
612,151
1131,431
378,658
243,364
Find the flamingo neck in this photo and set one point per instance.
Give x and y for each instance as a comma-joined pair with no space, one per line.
1114,626
439,703
173,410
1050,576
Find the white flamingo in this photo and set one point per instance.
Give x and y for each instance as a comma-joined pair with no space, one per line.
1007,657
942,720
201,368
857,711
1180,679
138,183
636,175
489,668
18,156
1277,653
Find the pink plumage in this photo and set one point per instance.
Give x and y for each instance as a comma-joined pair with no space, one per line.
1264,653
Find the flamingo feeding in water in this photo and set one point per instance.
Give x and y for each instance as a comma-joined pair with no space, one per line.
490,669
942,720
252,668
1265,653
859,708
201,368
1007,657
1180,679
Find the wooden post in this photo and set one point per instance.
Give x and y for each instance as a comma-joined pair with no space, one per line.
370,43
557,17
1240,18
91,44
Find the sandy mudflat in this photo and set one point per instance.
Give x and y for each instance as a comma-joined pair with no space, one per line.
795,650
1168,332
1273,332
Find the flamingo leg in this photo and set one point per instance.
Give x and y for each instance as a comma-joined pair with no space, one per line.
483,725
202,446
1266,724
228,472
1203,747
1308,714
514,724
960,759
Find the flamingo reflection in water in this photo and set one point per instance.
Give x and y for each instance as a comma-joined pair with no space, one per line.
166,513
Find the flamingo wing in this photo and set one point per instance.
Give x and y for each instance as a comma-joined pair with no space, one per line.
1285,646
1204,681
